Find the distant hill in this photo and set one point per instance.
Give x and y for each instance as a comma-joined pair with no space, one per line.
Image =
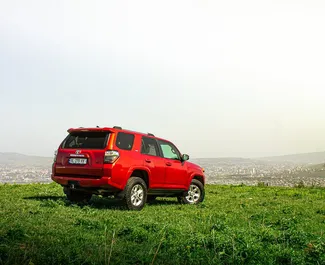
318,167
225,160
301,159
305,158
314,172
14,159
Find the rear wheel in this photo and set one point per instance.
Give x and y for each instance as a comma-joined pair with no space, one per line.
135,194
77,196
194,195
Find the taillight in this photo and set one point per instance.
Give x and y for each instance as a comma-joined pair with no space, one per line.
111,156
55,154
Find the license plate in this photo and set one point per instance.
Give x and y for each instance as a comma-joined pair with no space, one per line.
78,161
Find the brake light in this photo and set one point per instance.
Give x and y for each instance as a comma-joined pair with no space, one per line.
55,154
111,156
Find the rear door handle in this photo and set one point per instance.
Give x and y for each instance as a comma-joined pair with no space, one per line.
148,160
168,164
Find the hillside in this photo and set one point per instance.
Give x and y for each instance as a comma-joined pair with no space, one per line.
314,172
318,167
227,160
14,159
305,158
234,225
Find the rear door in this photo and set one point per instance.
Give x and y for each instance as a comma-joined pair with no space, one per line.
82,154
155,163
175,169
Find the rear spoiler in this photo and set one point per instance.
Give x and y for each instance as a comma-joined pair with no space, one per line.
81,129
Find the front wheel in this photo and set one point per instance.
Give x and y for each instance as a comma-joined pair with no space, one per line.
194,195
135,194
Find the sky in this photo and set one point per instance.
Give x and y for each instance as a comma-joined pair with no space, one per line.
217,78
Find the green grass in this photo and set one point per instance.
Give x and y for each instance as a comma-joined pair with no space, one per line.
234,225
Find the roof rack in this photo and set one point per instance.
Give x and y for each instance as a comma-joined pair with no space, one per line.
150,134
117,127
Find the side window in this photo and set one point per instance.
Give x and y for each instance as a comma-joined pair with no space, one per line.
149,146
169,150
124,141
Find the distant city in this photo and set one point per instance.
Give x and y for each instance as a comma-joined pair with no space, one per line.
308,169
254,172
14,174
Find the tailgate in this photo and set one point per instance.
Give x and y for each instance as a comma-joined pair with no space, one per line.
82,154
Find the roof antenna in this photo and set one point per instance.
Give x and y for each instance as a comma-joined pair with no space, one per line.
97,126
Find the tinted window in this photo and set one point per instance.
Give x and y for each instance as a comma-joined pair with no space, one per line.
124,141
169,150
149,146
86,140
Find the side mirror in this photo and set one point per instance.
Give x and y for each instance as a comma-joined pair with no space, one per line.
185,157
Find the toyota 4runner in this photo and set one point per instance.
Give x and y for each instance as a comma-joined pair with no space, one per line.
132,166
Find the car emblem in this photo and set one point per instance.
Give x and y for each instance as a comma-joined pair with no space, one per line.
78,152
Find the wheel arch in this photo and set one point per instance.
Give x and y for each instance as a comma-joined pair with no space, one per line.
140,173
197,177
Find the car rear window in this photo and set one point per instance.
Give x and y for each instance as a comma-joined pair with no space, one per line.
86,140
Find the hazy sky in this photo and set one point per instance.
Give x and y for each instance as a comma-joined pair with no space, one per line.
218,78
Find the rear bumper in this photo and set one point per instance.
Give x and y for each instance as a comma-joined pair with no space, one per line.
84,182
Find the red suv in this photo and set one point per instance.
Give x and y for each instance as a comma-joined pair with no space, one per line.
132,166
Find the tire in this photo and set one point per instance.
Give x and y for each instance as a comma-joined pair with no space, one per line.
76,196
135,195
194,195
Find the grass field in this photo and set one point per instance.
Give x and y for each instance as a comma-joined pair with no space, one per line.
234,225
